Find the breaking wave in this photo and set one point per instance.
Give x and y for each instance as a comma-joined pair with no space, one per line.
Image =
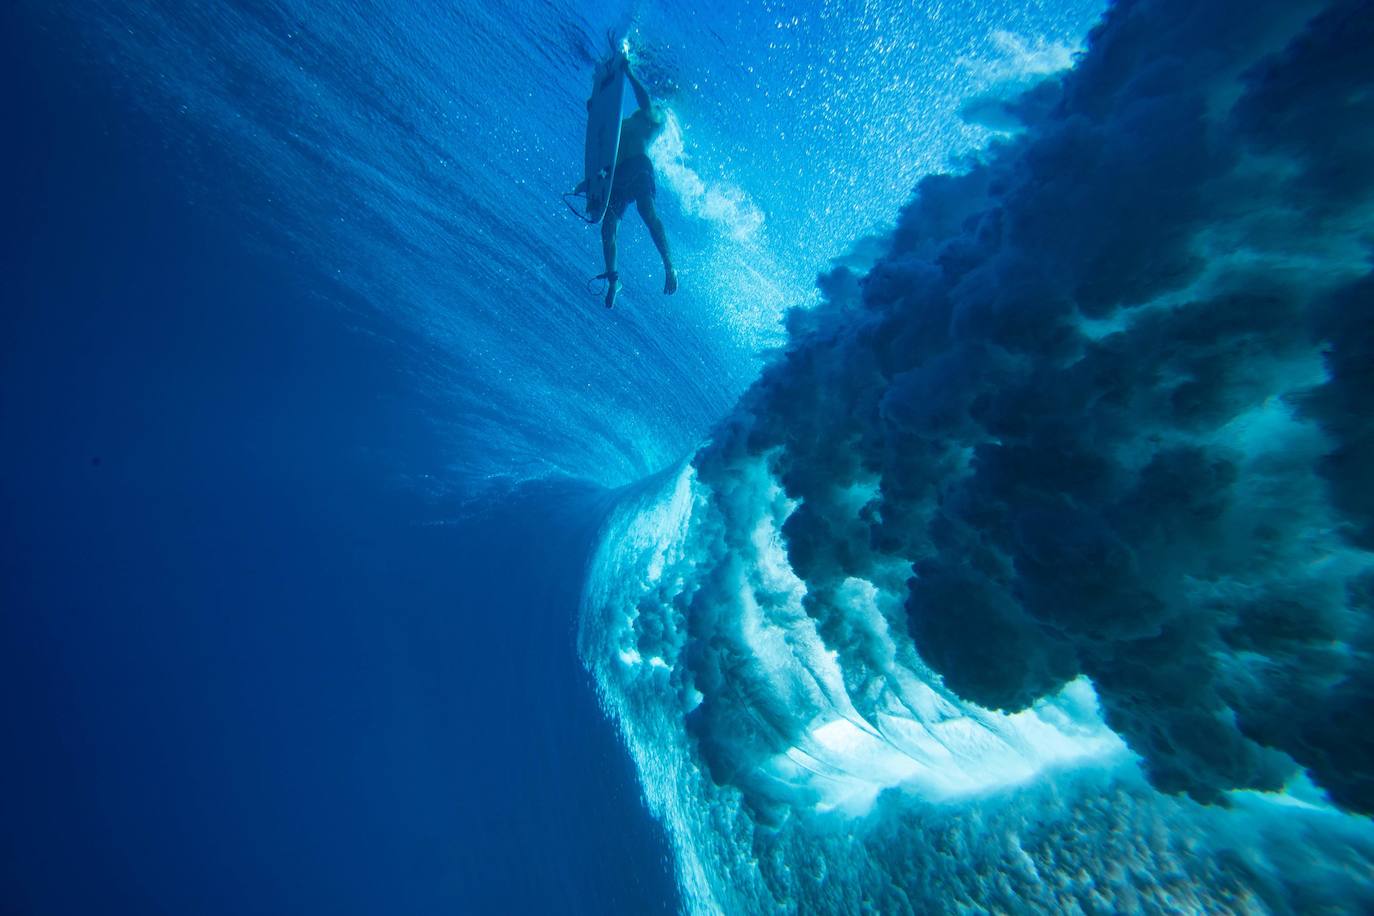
1036,571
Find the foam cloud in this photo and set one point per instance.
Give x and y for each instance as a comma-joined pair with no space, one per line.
1051,379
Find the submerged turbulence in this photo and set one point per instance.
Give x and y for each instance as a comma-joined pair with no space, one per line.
1036,572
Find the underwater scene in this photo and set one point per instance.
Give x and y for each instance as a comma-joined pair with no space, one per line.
754,456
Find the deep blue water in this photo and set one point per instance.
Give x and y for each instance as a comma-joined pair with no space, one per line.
246,668
354,559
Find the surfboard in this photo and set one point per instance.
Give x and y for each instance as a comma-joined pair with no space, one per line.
603,134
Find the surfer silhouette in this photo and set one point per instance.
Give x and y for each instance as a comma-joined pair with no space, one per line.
634,182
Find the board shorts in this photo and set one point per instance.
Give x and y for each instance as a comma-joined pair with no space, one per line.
634,180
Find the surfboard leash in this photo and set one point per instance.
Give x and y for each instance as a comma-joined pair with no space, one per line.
574,194
610,277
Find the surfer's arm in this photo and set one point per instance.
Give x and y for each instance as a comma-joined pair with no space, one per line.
641,94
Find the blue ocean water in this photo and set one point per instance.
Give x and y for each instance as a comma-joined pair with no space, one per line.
998,541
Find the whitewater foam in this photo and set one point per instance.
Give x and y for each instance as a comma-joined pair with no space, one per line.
927,801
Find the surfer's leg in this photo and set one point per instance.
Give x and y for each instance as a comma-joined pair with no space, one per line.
645,205
609,224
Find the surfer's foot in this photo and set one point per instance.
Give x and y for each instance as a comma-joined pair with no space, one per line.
669,279
612,286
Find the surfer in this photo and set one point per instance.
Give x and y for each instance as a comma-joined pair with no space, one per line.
634,182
